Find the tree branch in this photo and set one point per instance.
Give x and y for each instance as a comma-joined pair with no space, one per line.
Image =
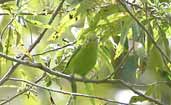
68,93
69,77
52,50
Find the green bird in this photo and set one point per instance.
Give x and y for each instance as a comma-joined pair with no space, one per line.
84,59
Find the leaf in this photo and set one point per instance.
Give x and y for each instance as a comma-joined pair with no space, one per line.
8,41
25,51
155,61
109,10
115,22
84,6
135,99
150,90
69,19
106,58
124,32
89,88
9,6
1,50
164,42
31,99
119,50
1,47
17,37
53,37
38,23
48,81
135,31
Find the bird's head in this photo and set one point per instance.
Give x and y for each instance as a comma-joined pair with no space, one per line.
92,38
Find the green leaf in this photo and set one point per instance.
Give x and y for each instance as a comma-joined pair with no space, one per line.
17,37
1,60
135,99
155,61
38,23
164,42
31,99
1,47
53,37
150,90
89,88
124,32
48,81
8,41
135,31
119,50
106,58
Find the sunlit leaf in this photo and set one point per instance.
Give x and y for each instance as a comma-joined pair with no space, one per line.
25,51
38,23
120,49
53,37
31,99
135,99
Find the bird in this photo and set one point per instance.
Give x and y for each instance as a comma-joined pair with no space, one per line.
83,59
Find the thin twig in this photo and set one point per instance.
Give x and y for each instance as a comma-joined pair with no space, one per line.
69,100
56,49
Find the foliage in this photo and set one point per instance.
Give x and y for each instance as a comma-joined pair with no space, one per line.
133,49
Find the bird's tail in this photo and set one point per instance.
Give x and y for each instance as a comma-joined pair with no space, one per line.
74,90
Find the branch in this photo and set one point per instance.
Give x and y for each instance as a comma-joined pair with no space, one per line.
68,93
69,101
12,68
69,77
45,52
